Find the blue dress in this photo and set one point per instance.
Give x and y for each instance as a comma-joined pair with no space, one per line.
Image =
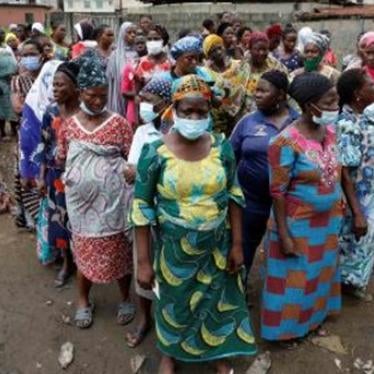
356,144
250,140
55,219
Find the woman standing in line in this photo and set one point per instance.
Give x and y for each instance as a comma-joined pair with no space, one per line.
94,145
124,54
302,280
157,60
84,31
66,96
287,53
8,68
355,134
232,78
260,61
27,200
315,48
104,36
155,98
61,48
201,314
250,140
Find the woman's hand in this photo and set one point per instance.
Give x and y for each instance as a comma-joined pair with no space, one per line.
41,187
359,226
288,247
26,184
236,259
130,173
146,276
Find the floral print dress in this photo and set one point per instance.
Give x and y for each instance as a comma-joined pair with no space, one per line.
356,144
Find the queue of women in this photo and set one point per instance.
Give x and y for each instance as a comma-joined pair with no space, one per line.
169,164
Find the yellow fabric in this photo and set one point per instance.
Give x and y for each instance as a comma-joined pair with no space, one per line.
10,36
211,41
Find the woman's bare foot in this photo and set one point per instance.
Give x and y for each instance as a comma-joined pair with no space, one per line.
167,365
223,367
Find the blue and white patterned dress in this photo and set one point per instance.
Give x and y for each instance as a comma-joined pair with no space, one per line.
356,144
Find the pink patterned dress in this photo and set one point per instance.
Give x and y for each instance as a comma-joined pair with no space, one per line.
105,257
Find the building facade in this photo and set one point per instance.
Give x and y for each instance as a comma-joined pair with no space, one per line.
25,11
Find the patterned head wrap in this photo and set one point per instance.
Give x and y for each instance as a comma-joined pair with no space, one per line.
367,40
320,40
188,44
91,73
210,42
190,86
159,86
256,37
309,87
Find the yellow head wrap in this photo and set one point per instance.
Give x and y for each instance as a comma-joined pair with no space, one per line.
10,36
210,42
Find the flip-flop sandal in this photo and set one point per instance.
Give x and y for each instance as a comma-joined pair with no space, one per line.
126,313
84,317
137,336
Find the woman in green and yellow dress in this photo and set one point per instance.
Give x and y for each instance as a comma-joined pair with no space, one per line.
186,187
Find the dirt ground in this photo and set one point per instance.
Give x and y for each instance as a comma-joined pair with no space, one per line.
32,328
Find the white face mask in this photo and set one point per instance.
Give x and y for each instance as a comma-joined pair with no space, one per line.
191,129
89,112
147,113
155,47
328,117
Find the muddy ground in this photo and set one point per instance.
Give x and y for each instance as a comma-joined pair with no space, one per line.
32,328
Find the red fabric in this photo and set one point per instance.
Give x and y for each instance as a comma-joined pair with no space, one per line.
103,260
128,84
147,68
330,58
77,50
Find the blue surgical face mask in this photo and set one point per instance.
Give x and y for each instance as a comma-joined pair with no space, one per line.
191,129
89,112
328,117
147,112
31,63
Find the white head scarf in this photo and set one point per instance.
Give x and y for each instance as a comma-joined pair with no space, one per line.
123,55
38,27
302,37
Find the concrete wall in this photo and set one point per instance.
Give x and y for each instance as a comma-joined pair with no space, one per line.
190,15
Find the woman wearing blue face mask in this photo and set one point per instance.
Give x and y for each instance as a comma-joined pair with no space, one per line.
27,200
187,188
155,98
302,282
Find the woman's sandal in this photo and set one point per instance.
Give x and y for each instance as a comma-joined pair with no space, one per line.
84,317
62,278
126,313
136,337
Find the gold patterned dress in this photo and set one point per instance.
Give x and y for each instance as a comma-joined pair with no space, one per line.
201,312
